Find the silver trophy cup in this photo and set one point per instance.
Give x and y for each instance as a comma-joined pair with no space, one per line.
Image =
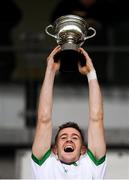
70,31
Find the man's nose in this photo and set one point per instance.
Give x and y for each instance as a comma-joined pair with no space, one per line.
69,140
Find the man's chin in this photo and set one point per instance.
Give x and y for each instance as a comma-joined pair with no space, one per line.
68,158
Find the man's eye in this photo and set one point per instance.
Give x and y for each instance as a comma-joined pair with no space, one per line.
75,138
64,137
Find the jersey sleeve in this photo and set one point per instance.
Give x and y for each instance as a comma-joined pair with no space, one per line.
98,165
43,159
38,166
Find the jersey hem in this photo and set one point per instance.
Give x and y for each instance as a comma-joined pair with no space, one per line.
96,161
43,159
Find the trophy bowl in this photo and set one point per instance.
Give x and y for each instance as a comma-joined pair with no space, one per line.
70,31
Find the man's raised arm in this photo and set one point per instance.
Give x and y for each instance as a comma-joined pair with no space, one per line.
43,134
96,139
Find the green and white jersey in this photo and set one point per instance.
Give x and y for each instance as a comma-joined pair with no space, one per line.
50,167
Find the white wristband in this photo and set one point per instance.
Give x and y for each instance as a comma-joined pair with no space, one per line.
91,75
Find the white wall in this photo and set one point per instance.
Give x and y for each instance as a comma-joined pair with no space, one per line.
117,165
72,104
12,106
69,105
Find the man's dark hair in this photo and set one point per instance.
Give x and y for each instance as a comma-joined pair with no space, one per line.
67,125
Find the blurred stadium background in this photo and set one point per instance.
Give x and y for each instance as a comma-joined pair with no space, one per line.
23,63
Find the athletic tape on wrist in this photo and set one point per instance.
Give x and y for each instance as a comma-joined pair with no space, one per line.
91,75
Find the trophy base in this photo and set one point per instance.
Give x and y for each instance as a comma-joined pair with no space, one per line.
69,60
69,46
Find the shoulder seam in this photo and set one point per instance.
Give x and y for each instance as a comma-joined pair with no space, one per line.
96,161
43,159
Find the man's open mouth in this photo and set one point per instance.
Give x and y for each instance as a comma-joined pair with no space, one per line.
68,149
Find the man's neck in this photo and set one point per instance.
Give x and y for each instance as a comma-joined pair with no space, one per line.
70,163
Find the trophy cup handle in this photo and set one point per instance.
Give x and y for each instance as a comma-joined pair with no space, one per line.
46,30
94,33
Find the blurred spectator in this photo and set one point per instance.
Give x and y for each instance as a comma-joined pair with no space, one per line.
10,15
96,13
100,14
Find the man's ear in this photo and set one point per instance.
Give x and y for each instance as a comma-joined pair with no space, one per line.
83,150
54,149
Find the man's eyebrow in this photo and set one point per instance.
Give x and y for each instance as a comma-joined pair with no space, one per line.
74,134
64,134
